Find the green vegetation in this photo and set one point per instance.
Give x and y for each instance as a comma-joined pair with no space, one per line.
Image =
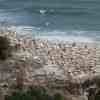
34,93
4,48
58,96
97,96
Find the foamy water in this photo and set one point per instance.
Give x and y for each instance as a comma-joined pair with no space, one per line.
66,38
53,35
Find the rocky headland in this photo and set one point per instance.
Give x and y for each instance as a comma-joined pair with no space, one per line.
72,68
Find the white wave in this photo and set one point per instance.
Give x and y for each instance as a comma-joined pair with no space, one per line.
66,38
21,29
70,36
42,11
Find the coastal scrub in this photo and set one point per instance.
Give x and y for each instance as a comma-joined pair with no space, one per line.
4,48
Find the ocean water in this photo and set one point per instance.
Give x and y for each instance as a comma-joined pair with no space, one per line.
62,18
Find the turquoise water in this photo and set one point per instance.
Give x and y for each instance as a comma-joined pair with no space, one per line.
53,17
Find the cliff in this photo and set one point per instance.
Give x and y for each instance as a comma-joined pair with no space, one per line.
72,68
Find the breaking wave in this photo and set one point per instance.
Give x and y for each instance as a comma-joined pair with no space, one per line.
56,35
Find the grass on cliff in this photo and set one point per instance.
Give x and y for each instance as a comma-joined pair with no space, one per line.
34,93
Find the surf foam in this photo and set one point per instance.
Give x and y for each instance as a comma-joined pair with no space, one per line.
53,35
66,38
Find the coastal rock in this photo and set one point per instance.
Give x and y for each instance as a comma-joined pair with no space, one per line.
60,65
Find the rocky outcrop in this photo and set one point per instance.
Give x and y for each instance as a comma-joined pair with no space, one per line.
70,67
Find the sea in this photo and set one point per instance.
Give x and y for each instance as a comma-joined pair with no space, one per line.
68,20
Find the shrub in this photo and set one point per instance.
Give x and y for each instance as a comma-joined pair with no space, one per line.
39,93
4,48
34,93
58,96
97,96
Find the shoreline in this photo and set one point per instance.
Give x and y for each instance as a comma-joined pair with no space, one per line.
66,42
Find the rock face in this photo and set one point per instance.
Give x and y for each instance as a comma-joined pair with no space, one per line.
70,67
